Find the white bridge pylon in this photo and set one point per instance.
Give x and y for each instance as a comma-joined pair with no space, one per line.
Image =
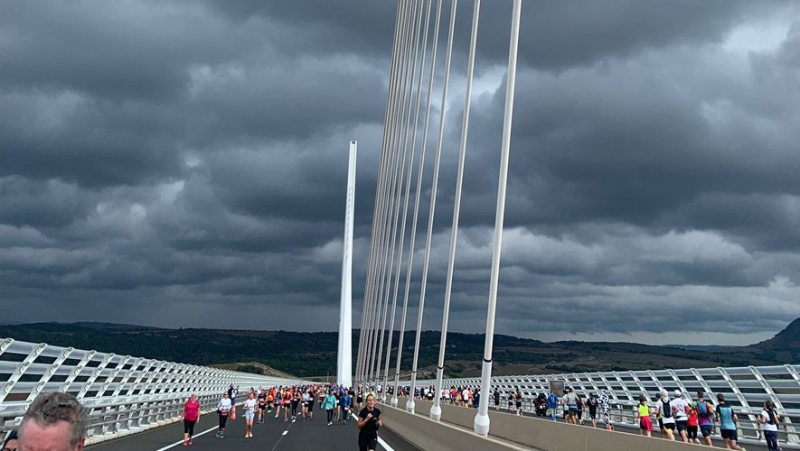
344,369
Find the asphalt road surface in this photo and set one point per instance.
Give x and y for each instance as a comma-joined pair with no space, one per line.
274,434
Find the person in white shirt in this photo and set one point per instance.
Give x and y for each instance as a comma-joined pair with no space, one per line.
664,408
249,414
223,410
770,419
680,407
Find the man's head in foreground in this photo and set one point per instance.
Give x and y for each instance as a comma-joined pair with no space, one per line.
54,422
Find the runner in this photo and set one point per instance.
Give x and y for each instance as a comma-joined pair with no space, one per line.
571,406
552,406
518,401
262,404
369,421
270,400
692,425
223,410
727,423
705,418
606,408
360,398
249,414
645,424
295,403
770,419
329,404
345,401
659,418
510,402
592,402
191,415
287,403
311,398
579,409
496,399
664,410
304,404
680,408
232,392
278,401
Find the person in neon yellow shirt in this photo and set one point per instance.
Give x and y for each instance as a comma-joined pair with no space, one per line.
645,423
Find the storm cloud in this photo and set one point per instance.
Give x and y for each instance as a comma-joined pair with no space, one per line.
184,164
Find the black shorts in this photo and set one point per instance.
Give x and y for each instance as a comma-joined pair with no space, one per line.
497,402
360,399
729,434
691,431
682,425
262,406
367,442
593,414
519,405
311,406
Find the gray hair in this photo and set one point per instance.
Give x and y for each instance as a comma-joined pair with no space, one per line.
50,408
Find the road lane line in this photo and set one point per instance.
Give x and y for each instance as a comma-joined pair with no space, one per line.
181,442
385,445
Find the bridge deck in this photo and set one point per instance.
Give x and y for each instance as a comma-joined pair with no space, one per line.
274,434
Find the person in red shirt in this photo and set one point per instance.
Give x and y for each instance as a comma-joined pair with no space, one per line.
191,415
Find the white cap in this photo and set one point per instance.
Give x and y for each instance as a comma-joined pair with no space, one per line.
677,393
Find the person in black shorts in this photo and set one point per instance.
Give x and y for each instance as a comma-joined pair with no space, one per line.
311,394
295,403
360,398
592,403
369,421
262,405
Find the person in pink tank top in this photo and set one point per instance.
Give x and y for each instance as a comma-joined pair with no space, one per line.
191,414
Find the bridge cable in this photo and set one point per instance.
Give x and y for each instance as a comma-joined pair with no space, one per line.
436,411
400,246
481,424
432,209
418,193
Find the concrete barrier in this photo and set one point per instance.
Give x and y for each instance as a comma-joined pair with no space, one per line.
551,436
427,434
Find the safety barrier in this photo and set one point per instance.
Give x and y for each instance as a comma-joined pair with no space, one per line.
122,394
745,389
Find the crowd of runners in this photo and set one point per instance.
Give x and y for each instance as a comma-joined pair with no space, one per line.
675,418
291,403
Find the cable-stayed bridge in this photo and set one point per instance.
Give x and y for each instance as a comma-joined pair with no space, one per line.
137,403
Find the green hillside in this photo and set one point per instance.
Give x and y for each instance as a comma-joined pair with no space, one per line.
314,354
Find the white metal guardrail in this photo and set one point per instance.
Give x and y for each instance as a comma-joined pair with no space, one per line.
124,394
745,389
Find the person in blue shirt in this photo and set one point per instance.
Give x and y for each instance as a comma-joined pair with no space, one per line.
552,406
727,423
345,401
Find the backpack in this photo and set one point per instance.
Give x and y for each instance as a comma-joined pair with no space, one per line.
702,410
666,410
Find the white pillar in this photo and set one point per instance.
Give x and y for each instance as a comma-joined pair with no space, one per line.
344,373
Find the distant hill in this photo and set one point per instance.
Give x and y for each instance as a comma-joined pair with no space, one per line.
314,354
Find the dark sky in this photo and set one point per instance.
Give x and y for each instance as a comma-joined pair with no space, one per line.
177,163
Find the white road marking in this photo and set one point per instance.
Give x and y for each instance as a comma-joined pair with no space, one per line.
285,432
181,442
385,445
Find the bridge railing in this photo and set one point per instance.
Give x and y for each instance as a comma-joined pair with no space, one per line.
745,389
123,394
